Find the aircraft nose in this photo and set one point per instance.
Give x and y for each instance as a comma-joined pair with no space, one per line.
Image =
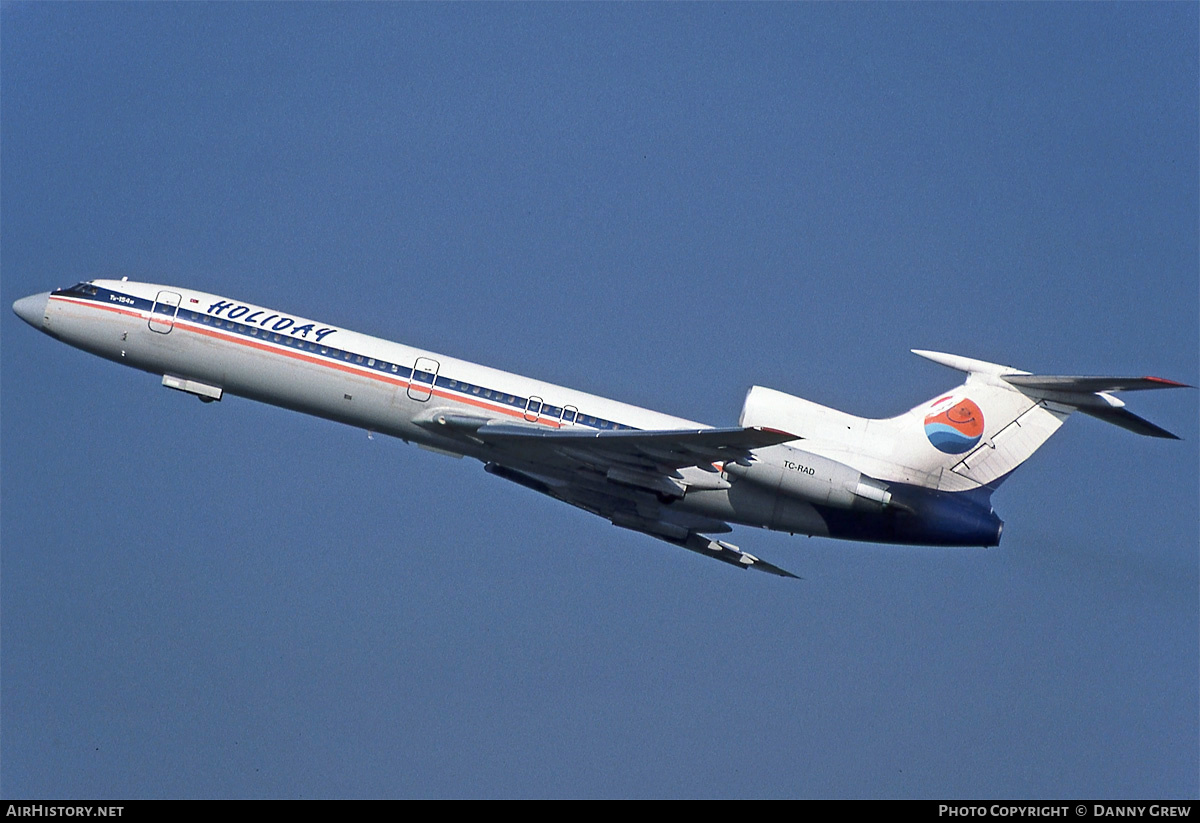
32,309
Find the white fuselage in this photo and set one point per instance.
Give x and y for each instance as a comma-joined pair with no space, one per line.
353,378
207,345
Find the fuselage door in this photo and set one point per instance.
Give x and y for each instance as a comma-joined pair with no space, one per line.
425,370
162,313
533,409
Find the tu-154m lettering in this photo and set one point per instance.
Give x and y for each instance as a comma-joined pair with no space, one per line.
924,477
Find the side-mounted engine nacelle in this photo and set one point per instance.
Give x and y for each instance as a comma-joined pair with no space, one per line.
797,474
795,481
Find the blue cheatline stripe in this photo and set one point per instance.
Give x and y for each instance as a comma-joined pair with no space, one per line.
276,329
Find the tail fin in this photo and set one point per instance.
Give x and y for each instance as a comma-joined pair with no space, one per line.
1018,412
970,437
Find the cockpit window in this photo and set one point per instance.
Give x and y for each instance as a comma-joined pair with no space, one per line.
85,288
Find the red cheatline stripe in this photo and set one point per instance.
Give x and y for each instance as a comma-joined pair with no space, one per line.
189,326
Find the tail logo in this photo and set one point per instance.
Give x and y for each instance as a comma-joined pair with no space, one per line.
954,424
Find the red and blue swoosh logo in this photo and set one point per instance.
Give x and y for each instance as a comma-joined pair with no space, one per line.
954,424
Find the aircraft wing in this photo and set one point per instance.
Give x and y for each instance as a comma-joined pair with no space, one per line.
662,450
632,509
628,477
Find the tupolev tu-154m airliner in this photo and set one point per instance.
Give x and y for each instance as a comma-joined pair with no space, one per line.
925,477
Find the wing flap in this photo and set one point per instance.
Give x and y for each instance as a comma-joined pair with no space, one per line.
698,543
731,554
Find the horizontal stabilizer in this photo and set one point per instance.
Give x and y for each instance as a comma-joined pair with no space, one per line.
1091,384
1013,413
1128,420
1091,395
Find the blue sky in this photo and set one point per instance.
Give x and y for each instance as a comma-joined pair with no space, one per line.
665,204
